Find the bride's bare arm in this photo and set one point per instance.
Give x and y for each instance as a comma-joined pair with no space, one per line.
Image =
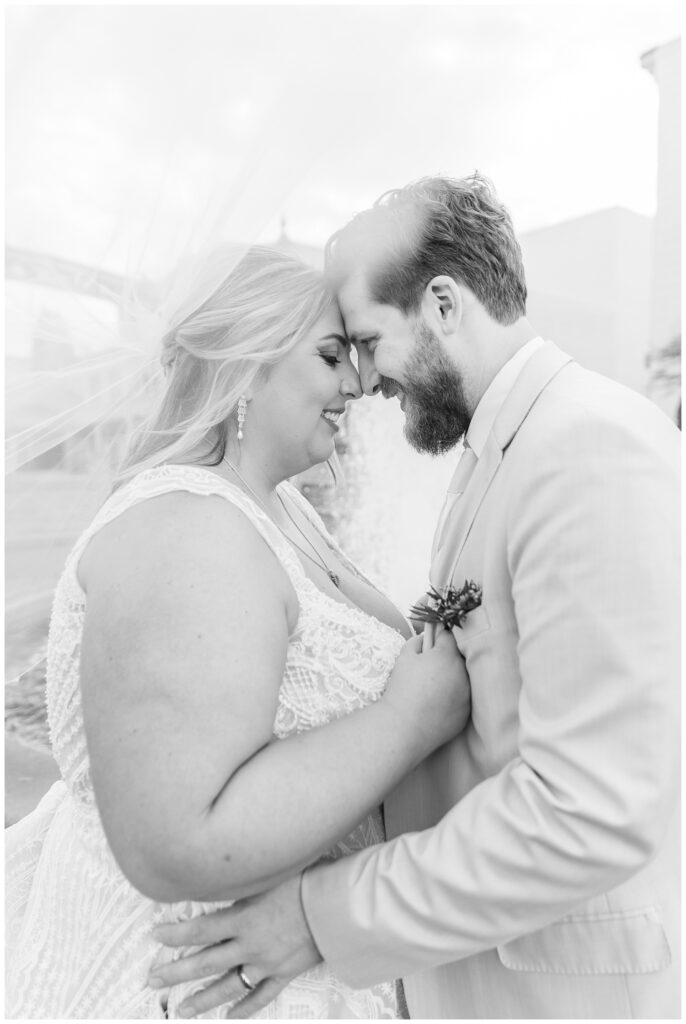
184,647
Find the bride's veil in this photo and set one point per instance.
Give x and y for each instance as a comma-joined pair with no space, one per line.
127,165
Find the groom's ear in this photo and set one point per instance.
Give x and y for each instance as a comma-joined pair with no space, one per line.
442,304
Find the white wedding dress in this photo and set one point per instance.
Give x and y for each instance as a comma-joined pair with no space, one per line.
78,939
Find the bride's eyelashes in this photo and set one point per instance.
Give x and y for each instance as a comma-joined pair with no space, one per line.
329,359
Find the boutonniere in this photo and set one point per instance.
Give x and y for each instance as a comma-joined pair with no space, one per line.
448,606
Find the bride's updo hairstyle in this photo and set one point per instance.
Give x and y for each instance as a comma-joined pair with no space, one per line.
224,347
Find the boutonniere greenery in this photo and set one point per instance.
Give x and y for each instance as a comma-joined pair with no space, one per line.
448,606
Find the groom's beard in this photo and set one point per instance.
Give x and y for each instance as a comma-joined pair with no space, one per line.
436,415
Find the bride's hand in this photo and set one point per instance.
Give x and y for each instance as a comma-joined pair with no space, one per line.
430,688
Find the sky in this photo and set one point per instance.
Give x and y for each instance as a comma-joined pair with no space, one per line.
132,131
137,133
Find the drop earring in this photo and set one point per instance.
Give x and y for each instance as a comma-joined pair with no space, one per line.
240,415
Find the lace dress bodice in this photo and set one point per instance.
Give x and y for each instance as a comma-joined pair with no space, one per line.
78,933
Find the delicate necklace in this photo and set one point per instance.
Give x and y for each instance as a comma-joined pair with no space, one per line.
329,572
319,561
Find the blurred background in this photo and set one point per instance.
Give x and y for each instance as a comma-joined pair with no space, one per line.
137,137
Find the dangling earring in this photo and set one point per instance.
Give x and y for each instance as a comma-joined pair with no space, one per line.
240,415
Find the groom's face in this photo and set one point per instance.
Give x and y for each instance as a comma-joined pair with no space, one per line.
400,355
383,337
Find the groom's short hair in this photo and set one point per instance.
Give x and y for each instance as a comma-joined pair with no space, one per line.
434,226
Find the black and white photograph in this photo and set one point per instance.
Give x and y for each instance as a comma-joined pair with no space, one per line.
343,520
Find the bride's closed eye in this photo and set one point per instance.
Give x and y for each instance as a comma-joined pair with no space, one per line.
329,359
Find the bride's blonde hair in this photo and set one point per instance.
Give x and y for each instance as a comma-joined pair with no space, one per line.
260,311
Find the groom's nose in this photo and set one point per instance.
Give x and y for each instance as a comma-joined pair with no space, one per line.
370,378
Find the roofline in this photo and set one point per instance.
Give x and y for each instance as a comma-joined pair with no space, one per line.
603,210
648,58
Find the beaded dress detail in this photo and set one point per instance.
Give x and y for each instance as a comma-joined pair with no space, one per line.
78,941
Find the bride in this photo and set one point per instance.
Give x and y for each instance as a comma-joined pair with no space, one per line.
229,699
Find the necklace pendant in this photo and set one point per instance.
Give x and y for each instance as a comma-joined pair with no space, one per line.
334,578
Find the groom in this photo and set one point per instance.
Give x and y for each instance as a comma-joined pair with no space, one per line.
534,869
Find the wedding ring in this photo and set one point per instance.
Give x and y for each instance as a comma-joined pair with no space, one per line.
249,987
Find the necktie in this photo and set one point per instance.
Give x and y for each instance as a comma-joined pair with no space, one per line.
456,487
463,471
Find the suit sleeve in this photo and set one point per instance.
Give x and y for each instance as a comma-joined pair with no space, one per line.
593,535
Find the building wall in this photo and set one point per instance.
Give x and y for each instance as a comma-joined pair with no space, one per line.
589,283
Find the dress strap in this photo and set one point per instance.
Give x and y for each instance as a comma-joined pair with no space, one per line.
152,483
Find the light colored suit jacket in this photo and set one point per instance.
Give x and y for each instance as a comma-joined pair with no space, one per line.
535,869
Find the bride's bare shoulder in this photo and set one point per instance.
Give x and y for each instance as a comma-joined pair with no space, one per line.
177,529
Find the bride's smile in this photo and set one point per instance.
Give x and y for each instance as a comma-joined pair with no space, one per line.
293,417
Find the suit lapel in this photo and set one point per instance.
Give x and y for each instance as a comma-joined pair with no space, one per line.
535,376
537,373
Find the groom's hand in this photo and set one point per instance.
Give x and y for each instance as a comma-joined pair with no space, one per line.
267,936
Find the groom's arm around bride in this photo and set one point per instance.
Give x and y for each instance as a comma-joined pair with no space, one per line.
551,880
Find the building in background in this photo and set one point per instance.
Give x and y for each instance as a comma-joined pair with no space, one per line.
589,290
664,64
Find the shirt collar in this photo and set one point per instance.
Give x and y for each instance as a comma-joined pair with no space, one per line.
495,394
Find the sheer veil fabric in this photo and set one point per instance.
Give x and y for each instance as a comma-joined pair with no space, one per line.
140,168
136,152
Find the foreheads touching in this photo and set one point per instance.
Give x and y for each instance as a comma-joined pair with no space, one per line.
433,227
